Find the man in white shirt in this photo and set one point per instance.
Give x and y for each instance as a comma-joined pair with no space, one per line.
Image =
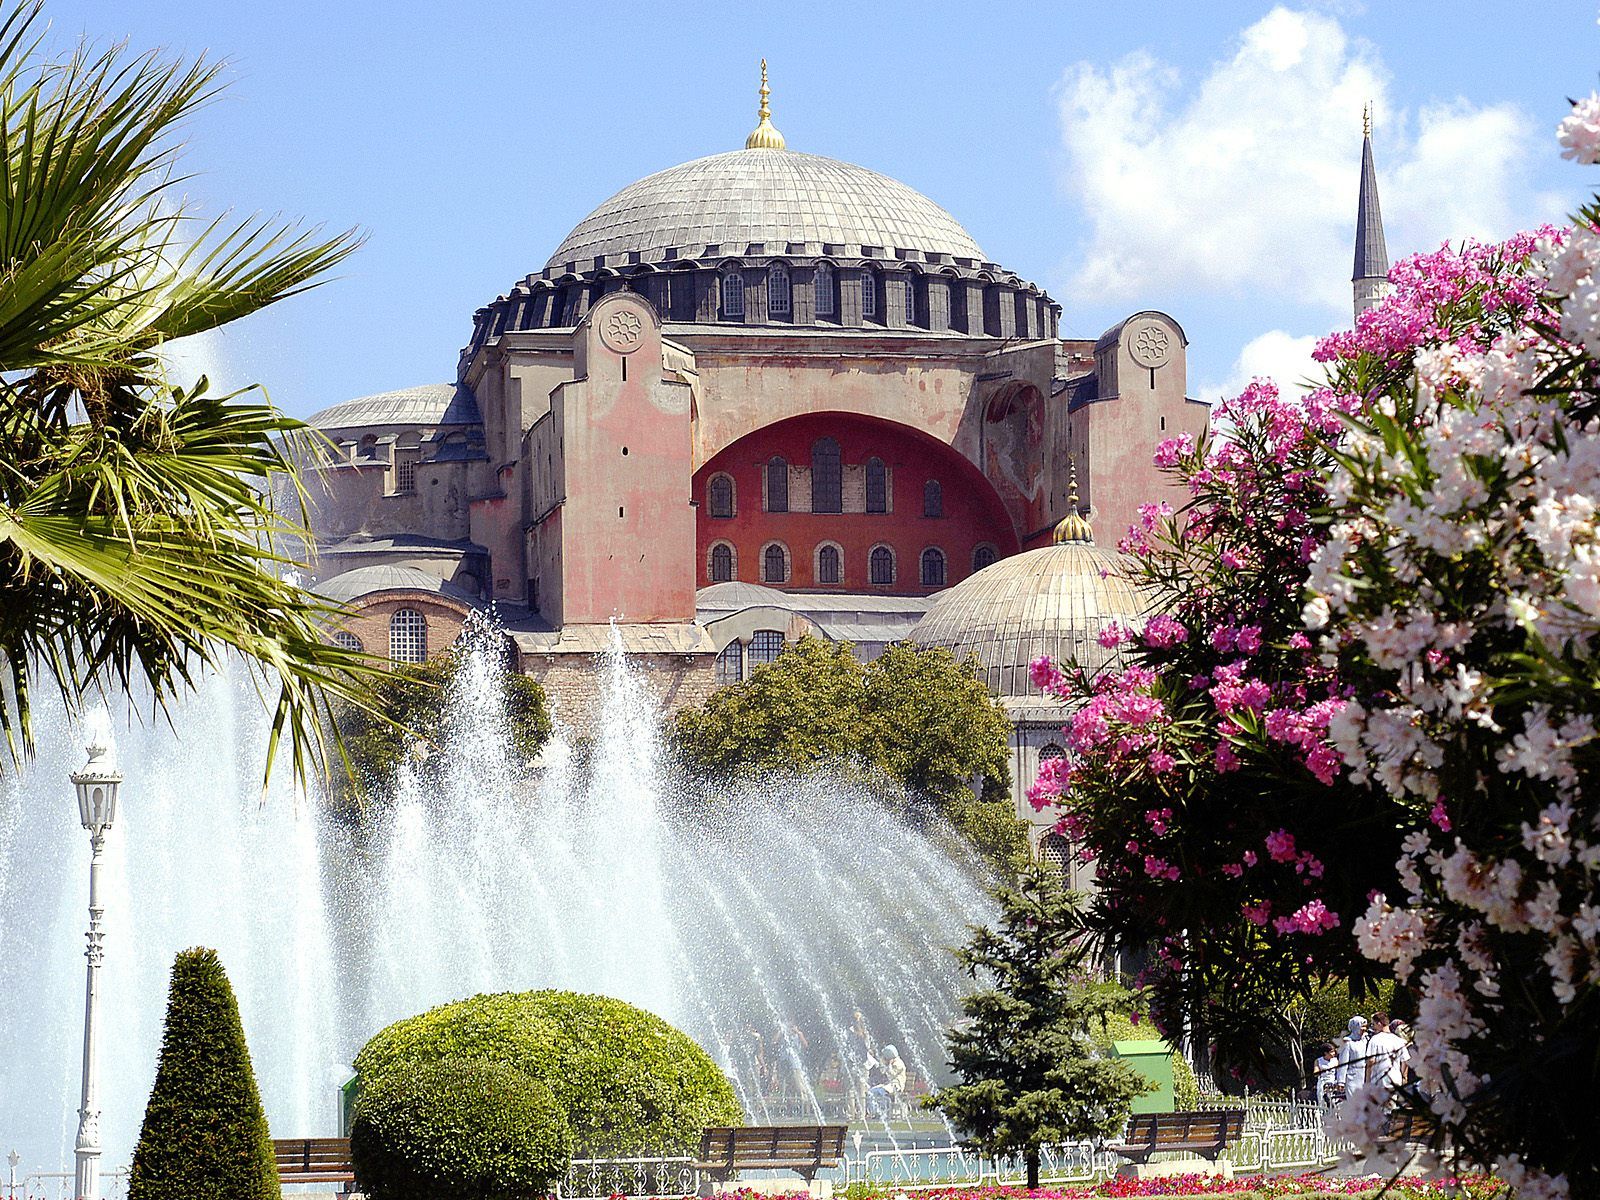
1352,1071
1387,1055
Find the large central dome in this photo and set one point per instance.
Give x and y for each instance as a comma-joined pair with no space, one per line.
764,197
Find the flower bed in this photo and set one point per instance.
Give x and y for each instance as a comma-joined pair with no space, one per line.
1265,1187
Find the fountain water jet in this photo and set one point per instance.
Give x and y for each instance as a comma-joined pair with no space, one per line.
756,915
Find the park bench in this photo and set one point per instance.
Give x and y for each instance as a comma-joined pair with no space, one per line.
806,1149
1409,1127
314,1160
1204,1133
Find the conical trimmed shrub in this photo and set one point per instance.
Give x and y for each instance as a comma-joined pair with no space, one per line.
205,1135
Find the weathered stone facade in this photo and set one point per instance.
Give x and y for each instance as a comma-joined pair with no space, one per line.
764,367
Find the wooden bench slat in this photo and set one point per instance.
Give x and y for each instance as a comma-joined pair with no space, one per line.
802,1148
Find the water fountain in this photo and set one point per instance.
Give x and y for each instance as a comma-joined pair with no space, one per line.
762,914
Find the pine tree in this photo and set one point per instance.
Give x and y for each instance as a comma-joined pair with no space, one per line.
1030,1076
205,1135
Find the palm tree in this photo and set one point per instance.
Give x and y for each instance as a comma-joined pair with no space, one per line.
139,535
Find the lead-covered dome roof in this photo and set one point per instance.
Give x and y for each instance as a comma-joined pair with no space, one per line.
768,198
1054,601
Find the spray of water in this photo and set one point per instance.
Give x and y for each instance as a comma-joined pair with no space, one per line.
758,916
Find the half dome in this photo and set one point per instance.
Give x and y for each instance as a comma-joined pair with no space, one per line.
1054,601
764,197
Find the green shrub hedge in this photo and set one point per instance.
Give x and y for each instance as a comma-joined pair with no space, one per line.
628,1082
458,1129
204,1135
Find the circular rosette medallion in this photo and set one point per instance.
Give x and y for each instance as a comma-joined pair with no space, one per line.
621,330
1150,344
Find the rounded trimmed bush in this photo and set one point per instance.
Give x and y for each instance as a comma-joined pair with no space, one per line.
628,1081
458,1129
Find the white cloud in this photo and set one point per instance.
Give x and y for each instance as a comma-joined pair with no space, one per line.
1243,182
1283,357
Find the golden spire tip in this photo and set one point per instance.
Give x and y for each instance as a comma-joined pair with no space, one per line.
1366,119
764,136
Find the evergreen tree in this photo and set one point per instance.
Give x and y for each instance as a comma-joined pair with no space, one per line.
1030,1075
204,1135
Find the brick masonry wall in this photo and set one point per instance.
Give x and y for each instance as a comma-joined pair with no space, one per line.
370,621
573,682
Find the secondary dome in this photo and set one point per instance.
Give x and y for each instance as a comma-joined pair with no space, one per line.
1054,600
764,197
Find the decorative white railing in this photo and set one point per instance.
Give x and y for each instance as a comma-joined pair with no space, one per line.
1278,1136
59,1185
600,1178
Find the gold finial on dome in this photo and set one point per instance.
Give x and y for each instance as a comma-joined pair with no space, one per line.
764,136
1366,119
1074,527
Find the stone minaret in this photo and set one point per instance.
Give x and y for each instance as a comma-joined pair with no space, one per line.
1372,256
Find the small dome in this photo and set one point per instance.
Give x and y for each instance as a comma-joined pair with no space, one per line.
1054,600
388,577
430,404
738,594
769,197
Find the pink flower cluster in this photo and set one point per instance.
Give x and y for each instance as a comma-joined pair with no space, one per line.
1424,287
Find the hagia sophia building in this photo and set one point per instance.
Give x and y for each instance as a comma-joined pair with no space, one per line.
760,395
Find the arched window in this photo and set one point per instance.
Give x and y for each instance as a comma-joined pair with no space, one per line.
765,646
719,496
824,289
869,292
982,557
911,299
346,640
877,486
369,446
933,568
827,482
732,294
730,663
722,563
1055,851
777,484
932,499
880,565
774,564
1050,750
778,289
828,566
408,636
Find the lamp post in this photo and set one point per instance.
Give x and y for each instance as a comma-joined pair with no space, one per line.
96,785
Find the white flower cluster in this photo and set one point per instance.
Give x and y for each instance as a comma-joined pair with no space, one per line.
1464,574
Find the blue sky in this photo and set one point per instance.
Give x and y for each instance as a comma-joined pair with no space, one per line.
1198,158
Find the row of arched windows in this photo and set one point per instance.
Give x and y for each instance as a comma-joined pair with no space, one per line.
780,291
827,486
828,564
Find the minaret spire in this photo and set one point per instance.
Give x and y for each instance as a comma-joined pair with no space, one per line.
764,136
1371,271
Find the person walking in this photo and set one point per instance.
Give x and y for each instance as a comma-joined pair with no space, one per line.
1387,1055
1352,1074
1325,1075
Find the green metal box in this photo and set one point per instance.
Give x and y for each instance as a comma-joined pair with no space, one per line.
1153,1060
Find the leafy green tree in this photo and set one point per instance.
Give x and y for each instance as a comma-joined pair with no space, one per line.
407,714
1030,1074
204,1135
144,526
917,714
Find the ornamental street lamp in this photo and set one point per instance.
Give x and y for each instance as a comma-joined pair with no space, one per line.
96,785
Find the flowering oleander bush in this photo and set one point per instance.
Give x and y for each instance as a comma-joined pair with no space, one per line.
1390,592
1200,778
